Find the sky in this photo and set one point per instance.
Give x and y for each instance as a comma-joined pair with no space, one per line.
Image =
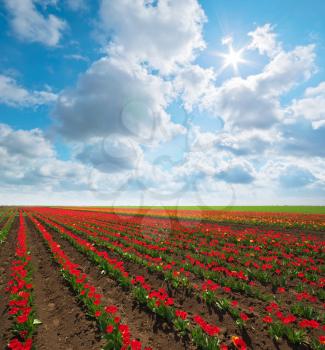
159,102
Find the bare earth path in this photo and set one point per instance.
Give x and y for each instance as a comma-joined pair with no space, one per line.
64,323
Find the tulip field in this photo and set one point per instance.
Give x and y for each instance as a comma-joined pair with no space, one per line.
98,278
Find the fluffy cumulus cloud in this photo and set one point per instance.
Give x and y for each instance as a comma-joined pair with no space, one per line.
22,143
285,71
29,24
29,166
240,104
119,127
28,158
215,164
22,154
127,103
243,143
260,134
165,34
293,173
264,39
120,102
13,94
253,102
111,155
311,106
193,82
119,97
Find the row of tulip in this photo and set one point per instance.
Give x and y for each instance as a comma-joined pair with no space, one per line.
294,335
20,289
275,269
116,334
165,259
178,278
267,219
3,215
157,301
4,231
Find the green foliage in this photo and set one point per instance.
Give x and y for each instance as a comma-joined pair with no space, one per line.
204,341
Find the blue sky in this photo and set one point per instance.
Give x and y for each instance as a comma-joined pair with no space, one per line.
158,102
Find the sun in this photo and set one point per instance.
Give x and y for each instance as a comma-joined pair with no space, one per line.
233,58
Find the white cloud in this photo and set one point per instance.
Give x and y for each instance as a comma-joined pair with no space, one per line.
241,105
221,164
28,159
164,34
111,155
117,110
247,142
311,106
287,172
31,25
24,143
119,100
116,96
192,83
285,71
264,40
22,153
13,94
199,141
253,102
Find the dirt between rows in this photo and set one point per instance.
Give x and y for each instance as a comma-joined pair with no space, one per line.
257,332
267,289
65,325
256,336
7,255
143,324
264,288
232,224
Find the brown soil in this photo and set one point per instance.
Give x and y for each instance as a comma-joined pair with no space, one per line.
144,325
257,335
256,338
64,323
7,255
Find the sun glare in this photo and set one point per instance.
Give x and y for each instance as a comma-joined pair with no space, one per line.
233,58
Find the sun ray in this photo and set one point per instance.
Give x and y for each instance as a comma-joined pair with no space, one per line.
233,58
